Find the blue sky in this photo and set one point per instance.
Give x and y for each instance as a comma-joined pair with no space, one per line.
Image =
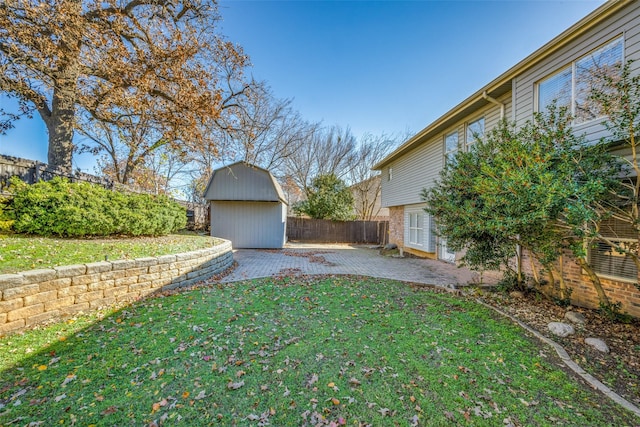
387,66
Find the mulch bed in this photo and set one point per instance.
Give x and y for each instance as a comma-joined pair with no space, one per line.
619,369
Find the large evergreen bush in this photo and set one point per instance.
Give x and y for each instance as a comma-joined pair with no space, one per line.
61,208
5,220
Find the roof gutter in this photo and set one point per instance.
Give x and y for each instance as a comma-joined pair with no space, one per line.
557,43
494,101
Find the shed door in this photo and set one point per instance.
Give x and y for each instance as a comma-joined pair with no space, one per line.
249,224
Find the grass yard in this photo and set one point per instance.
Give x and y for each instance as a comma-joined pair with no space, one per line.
20,253
293,351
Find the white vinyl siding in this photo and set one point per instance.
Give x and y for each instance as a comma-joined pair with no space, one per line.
420,168
413,172
572,86
624,23
419,229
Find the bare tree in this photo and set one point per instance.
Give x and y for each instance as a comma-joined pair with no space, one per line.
328,151
263,130
115,59
366,183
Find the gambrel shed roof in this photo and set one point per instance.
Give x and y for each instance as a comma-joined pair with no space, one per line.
243,182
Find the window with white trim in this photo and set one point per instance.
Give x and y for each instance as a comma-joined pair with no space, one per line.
572,86
475,131
416,223
609,258
450,146
419,229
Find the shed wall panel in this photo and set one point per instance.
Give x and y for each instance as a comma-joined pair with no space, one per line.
249,224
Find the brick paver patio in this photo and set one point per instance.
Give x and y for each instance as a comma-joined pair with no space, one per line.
321,259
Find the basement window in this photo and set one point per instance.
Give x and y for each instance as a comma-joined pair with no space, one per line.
610,260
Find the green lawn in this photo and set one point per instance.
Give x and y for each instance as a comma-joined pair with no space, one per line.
322,351
20,253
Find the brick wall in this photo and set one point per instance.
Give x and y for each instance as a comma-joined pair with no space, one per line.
34,296
396,225
583,293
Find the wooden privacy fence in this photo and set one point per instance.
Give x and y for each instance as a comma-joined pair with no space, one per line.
32,171
326,231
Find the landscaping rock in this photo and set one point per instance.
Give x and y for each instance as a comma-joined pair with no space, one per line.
390,246
575,317
598,344
561,329
516,294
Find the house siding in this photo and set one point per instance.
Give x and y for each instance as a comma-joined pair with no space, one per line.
418,162
626,22
411,173
421,168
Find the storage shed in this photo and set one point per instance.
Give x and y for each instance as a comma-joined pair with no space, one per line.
248,207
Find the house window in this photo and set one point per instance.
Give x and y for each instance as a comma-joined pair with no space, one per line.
572,86
419,229
609,259
416,222
475,131
450,146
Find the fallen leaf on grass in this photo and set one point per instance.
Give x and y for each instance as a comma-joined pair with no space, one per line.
200,395
235,386
110,410
312,380
68,379
18,394
385,412
59,398
156,406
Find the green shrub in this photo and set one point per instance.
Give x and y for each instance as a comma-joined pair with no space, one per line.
58,207
5,220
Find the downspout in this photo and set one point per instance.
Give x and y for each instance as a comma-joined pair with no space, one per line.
494,101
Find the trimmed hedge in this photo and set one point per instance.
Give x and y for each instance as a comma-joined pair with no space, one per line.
61,208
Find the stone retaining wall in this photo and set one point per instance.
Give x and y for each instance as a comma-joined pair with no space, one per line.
34,296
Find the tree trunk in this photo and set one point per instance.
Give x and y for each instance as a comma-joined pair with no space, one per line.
60,129
61,121
563,286
602,296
